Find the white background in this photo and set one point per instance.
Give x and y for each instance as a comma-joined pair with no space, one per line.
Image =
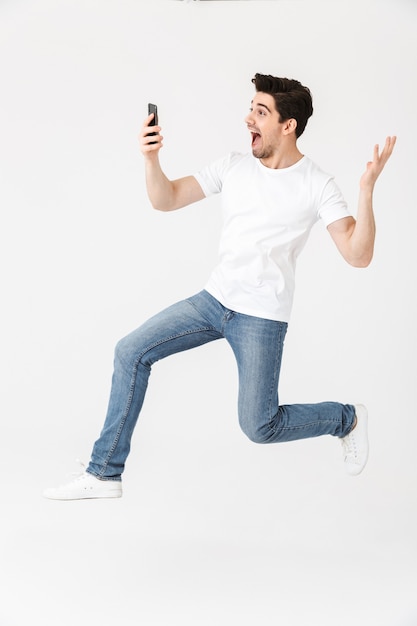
212,529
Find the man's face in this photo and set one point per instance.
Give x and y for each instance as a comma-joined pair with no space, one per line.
264,125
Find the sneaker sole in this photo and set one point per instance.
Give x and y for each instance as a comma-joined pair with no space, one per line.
87,496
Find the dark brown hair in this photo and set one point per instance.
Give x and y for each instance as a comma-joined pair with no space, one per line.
292,99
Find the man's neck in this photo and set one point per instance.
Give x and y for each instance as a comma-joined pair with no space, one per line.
281,160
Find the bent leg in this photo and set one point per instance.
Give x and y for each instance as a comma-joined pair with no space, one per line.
179,327
258,345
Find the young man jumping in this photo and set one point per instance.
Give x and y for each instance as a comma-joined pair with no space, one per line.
271,196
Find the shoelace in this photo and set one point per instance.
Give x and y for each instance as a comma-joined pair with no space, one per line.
349,447
80,473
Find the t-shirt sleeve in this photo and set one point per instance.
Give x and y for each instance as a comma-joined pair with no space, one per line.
332,206
211,176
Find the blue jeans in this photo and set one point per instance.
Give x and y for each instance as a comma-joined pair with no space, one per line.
257,345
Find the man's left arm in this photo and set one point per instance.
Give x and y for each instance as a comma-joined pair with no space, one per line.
355,238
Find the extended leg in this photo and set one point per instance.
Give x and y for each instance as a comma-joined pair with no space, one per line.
178,328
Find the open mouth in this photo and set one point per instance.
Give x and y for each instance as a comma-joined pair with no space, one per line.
255,138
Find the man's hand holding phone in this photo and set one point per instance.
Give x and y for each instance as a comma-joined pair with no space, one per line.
150,138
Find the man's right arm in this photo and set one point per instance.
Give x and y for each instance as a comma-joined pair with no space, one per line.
164,194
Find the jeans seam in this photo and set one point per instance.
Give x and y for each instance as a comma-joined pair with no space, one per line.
170,338
308,426
274,384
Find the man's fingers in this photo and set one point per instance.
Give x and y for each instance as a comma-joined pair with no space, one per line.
146,128
389,144
386,152
151,143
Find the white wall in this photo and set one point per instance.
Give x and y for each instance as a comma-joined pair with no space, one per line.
223,530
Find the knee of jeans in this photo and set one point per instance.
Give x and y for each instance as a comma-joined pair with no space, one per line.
130,352
254,432
124,353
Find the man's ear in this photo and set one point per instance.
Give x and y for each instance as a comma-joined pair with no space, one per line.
290,126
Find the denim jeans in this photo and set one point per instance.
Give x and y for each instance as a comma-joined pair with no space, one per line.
257,345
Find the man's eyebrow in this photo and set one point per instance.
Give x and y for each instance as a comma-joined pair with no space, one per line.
259,104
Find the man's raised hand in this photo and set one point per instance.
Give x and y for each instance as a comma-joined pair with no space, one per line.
375,167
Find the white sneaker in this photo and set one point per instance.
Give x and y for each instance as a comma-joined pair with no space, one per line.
85,486
355,444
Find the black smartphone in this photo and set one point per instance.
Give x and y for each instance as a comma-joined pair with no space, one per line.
152,108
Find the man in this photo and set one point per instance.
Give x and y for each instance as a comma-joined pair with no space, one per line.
271,196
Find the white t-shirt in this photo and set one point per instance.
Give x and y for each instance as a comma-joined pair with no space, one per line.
267,216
